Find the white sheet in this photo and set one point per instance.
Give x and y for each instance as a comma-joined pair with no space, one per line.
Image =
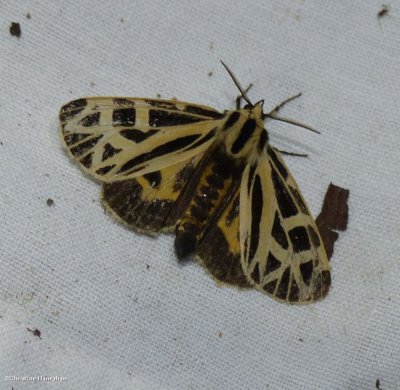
115,309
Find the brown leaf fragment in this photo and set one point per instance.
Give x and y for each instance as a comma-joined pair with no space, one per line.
333,216
334,212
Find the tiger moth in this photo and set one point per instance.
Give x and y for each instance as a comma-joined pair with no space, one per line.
212,178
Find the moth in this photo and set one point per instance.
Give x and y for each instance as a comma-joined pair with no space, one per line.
211,177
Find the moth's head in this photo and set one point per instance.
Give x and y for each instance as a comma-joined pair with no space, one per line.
257,106
257,112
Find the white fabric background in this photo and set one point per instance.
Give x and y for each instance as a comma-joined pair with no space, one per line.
115,309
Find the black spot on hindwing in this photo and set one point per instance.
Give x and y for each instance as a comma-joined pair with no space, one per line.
270,287
299,238
306,270
285,201
283,287
272,264
255,275
294,293
278,233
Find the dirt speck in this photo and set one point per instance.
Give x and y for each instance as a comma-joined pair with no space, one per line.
383,11
35,332
15,29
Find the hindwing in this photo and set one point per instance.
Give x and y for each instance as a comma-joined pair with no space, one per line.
144,204
219,249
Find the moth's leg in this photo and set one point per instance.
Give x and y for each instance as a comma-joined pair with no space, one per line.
292,154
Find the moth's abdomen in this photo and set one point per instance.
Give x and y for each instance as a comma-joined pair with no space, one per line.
218,181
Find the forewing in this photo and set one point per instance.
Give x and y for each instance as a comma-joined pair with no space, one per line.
122,138
282,251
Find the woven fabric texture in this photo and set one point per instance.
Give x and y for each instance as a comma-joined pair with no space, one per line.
114,308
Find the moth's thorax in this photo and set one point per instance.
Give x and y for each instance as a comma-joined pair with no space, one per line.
243,133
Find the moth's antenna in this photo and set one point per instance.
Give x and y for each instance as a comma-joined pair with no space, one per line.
236,81
292,122
272,115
